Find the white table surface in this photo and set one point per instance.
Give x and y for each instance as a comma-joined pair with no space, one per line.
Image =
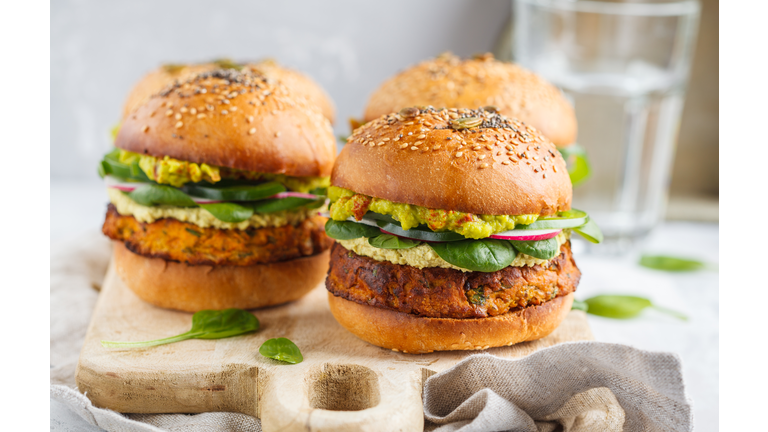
80,207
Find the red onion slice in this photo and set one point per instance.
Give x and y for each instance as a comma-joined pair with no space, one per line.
527,235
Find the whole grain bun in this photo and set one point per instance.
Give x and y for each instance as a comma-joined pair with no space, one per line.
416,156
447,81
234,119
188,288
298,82
413,334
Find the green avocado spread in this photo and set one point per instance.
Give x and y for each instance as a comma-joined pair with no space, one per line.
346,203
167,170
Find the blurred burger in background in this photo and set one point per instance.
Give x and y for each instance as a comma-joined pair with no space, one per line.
453,232
215,184
482,81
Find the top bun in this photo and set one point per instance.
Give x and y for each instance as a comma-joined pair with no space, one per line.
473,161
299,83
234,119
447,81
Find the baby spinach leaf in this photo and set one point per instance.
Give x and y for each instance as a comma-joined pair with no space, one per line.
542,249
154,194
236,192
486,255
388,241
276,205
281,349
590,231
670,263
623,306
421,232
346,230
206,324
228,212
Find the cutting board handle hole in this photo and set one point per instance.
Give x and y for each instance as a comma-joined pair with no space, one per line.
343,387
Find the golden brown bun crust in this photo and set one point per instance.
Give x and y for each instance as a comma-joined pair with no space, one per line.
233,119
450,82
299,83
502,167
413,334
188,288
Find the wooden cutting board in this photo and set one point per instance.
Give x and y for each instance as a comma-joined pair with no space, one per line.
342,384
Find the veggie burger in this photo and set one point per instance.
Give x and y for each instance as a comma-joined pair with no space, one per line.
450,81
452,229
215,186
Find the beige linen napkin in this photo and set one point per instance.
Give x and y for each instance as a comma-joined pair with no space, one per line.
574,387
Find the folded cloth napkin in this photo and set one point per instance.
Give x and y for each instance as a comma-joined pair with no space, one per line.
573,387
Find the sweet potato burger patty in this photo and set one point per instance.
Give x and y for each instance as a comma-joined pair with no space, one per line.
449,293
173,240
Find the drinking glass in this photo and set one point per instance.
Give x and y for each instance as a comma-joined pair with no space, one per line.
624,66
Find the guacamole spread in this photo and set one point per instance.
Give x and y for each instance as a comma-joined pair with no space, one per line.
167,170
346,203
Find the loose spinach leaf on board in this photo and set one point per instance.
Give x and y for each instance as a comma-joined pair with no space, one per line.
590,231
206,324
388,241
542,249
624,306
670,263
276,205
580,305
154,194
235,192
346,230
228,212
486,255
281,349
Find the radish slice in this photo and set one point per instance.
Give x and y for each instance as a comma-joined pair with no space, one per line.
113,183
295,195
363,221
527,235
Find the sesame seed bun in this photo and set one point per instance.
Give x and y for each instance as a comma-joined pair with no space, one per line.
234,119
498,167
298,82
414,334
190,288
448,81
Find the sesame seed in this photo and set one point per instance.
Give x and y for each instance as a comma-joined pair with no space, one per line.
178,116
371,143
183,109
481,157
544,175
385,139
505,162
145,128
277,134
250,119
482,166
414,148
225,112
458,154
201,116
381,143
535,170
488,146
403,145
396,139
193,111
410,133
179,124
554,168
422,136
252,131
169,113
234,108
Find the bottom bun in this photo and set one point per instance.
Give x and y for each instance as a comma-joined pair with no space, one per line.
189,288
408,333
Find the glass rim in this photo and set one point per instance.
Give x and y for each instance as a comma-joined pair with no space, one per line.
675,8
